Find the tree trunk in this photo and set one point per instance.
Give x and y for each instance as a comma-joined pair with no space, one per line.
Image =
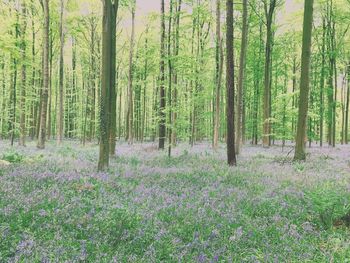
130,82
61,105
304,81
170,76
230,86
322,80
241,77
113,96
218,77
103,161
22,140
269,12
46,80
162,129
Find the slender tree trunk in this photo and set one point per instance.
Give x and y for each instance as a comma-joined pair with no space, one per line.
13,99
49,112
145,72
170,76
162,128
130,82
343,108
61,105
46,80
322,80
34,103
107,20
22,140
304,81
241,77
218,76
175,88
230,86
113,95
269,13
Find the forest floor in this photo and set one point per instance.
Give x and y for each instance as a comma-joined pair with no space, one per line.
55,207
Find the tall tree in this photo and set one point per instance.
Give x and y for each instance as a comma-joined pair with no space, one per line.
162,128
22,140
304,81
218,74
61,106
170,74
46,78
109,14
269,16
113,95
241,77
230,85
130,78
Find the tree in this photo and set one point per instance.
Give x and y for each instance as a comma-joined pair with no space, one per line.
162,128
109,15
46,77
269,14
230,85
22,140
130,79
61,106
218,74
304,81
241,77
113,95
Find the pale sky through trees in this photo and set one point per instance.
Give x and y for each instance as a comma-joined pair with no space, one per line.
286,15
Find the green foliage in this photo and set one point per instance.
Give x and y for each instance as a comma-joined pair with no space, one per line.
13,157
330,203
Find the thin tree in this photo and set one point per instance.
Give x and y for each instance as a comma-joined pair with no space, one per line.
113,95
22,140
46,80
241,77
269,13
170,75
162,128
304,81
130,78
61,106
230,85
218,74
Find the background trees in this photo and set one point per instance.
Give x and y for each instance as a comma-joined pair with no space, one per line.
171,88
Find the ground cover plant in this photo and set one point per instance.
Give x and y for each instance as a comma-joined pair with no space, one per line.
54,206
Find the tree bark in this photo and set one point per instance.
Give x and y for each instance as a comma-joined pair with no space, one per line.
22,139
107,20
304,81
61,105
218,76
113,95
46,80
241,77
230,87
162,128
269,13
130,82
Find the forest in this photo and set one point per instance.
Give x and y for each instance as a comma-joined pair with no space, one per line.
174,131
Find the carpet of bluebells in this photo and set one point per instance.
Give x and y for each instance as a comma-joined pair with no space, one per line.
55,206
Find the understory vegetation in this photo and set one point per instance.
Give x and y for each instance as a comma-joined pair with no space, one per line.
189,208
